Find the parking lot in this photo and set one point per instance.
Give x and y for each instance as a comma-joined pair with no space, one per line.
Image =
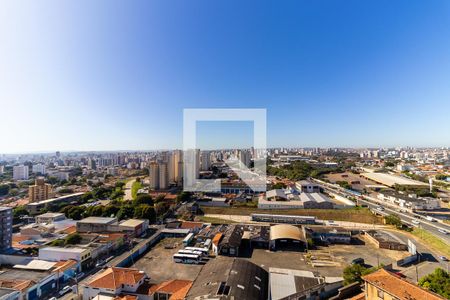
159,265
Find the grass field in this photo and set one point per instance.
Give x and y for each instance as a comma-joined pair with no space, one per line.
135,188
359,215
432,241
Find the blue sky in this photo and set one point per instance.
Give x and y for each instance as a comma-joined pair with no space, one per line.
109,75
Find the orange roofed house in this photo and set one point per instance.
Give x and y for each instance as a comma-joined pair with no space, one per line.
113,282
383,285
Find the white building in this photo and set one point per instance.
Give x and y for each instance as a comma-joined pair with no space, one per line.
20,172
59,253
38,169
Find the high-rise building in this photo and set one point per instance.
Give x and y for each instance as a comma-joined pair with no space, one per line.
92,164
20,172
2,170
5,228
205,160
244,157
39,191
154,175
163,176
173,167
38,169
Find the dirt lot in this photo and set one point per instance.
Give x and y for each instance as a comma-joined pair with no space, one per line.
158,263
333,178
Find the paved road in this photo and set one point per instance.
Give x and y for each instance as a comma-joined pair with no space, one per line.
406,217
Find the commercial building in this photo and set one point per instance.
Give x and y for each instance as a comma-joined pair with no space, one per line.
289,237
96,224
224,278
20,172
64,253
384,285
298,284
385,240
411,202
329,235
50,217
39,191
306,186
392,180
5,228
133,227
284,199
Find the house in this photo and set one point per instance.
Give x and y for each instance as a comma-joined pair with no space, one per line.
170,290
383,284
306,186
59,253
114,281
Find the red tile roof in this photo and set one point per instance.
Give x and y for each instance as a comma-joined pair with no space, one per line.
177,289
398,287
113,278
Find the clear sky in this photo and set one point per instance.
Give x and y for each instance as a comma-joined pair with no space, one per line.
110,75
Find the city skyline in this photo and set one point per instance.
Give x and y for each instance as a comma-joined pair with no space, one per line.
77,77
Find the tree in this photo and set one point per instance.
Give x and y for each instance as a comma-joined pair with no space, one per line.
393,220
19,211
4,189
184,197
143,199
76,213
161,208
125,212
354,272
110,211
73,239
145,211
437,282
57,243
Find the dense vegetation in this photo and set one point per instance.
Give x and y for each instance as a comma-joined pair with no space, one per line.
437,282
300,170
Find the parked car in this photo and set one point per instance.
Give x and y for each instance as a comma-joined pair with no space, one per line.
65,290
443,258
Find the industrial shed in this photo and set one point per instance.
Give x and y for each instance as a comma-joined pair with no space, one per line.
286,236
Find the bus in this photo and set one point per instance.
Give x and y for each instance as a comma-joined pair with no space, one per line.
188,239
203,250
186,258
183,251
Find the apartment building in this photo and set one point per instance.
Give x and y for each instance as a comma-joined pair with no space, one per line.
5,228
20,172
39,191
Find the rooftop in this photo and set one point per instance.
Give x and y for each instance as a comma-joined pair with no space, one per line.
113,278
98,220
391,180
397,287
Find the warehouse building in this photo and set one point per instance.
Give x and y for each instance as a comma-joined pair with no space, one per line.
288,237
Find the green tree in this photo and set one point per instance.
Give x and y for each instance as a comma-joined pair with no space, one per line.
393,220
19,211
57,243
437,282
125,212
110,210
354,272
184,197
143,199
73,239
76,213
145,211
4,189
